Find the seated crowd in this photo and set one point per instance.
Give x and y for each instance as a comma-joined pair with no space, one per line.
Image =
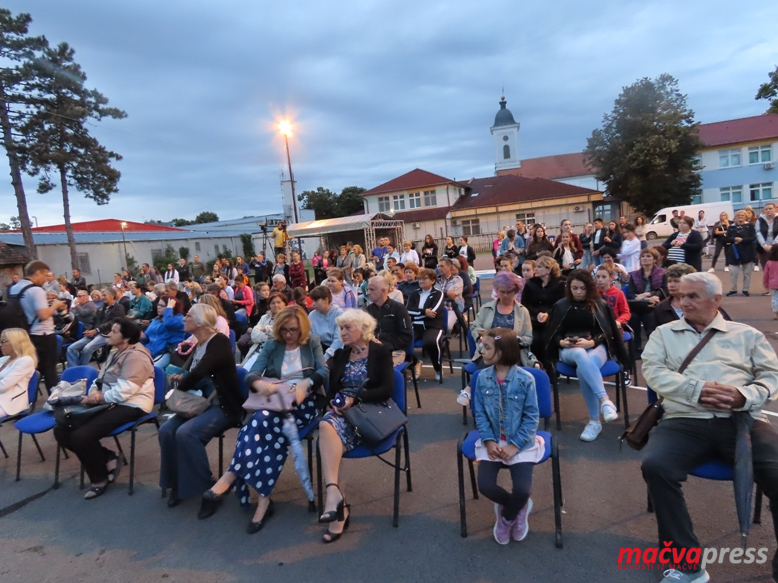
569,301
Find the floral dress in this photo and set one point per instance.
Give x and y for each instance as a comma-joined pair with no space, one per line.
261,449
354,375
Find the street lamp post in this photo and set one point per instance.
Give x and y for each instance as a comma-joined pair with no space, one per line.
286,129
124,241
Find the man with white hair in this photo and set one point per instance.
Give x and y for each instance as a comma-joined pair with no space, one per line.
393,321
735,370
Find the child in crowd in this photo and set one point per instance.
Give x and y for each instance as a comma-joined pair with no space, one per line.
604,277
505,407
770,277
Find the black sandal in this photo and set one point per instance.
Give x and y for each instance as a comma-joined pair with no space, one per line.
95,492
337,514
330,537
114,473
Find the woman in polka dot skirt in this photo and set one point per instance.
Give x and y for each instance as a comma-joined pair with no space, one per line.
292,354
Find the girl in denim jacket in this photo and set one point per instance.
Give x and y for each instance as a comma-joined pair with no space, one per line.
505,407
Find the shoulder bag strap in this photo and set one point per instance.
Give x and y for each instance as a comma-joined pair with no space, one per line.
693,354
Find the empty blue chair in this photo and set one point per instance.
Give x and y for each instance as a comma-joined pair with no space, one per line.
32,396
398,440
611,368
466,450
42,422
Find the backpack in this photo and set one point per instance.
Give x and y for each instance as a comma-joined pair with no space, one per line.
12,314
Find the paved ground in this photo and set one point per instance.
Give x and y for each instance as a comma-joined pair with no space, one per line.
117,538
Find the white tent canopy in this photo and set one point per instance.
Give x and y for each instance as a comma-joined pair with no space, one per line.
328,226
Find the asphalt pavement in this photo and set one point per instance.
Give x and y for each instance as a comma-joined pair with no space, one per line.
54,535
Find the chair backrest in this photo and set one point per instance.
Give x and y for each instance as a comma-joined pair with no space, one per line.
542,388
159,386
625,288
477,286
242,386
32,388
232,339
409,349
59,343
75,373
399,391
241,318
471,343
79,330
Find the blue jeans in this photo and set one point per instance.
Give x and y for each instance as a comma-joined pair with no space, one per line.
80,352
184,464
588,364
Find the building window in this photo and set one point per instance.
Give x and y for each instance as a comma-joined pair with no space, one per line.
526,218
216,248
506,152
430,198
762,191
729,158
731,194
696,199
197,245
399,202
383,204
760,154
83,263
156,254
471,227
607,211
414,200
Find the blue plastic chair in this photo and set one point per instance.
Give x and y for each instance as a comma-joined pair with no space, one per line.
232,340
611,368
398,440
468,368
132,426
477,294
65,345
408,365
43,421
466,450
32,396
244,392
445,348
717,470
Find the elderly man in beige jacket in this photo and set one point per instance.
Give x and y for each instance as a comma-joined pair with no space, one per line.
736,370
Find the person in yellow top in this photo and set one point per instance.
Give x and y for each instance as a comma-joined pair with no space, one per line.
280,237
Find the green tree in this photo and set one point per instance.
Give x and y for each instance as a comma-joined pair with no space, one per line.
16,48
206,217
183,252
5,227
321,201
58,146
645,150
770,91
248,247
350,201
169,256
16,223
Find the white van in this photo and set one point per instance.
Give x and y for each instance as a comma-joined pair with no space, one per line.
660,226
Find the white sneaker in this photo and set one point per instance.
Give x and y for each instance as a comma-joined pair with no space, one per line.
609,412
726,269
756,268
711,270
463,398
675,576
591,431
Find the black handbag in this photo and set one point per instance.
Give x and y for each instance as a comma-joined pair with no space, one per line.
374,422
74,416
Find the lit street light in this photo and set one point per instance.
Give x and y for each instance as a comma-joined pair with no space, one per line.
126,257
285,127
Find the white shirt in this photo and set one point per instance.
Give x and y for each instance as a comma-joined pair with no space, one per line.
14,379
409,256
630,254
292,367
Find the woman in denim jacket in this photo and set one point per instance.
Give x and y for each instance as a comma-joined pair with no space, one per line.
506,415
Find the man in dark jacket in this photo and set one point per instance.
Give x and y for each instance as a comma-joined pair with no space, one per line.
80,352
741,252
394,322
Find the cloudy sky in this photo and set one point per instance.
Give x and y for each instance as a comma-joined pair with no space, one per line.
374,89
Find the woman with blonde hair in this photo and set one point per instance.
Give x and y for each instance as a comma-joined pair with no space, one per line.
16,371
295,355
409,254
362,370
359,258
394,293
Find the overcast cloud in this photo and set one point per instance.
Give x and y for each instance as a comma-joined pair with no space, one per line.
375,89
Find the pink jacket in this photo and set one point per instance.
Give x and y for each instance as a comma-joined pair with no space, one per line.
770,277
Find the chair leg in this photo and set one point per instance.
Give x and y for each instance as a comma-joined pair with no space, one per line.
557,478
132,462
473,483
555,386
119,447
397,459
415,385
461,482
618,390
19,458
40,451
221,455
408,484
758,506
319,479
2,447
624,399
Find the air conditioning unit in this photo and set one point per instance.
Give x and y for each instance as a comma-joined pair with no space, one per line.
578,209
416,225
769,165
454,223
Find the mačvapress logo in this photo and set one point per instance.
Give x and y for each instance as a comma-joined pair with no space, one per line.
669,557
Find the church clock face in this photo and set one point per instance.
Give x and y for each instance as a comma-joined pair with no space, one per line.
505,138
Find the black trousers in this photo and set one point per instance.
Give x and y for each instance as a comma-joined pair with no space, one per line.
645,319
717,252
85,441
677,446
46,347
514,501
431,340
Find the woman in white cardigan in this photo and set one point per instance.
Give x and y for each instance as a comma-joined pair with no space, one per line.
16,371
